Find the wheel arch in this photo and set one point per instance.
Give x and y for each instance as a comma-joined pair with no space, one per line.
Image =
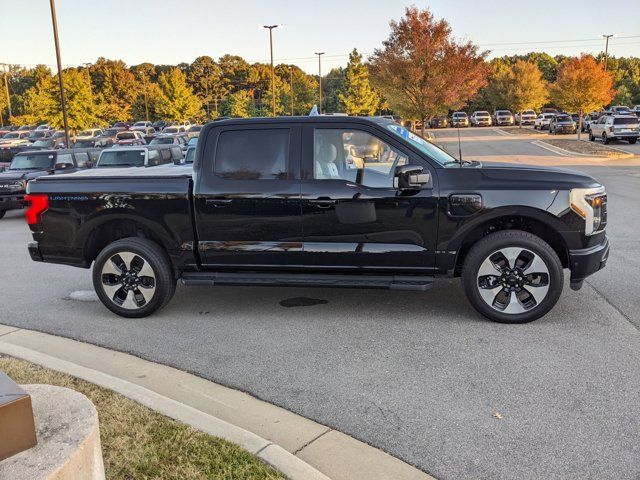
528,219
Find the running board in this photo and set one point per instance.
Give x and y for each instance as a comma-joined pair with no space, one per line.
392,282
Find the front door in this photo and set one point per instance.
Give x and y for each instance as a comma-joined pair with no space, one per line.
353,217
247,196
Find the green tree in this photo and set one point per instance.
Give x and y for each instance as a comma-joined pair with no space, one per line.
205,76
525,87
176,101
239,104
333,85
422,70
360,98
582,86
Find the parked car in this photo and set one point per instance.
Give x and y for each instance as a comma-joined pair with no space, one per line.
88,134
585,121
562,123
7,153
26,128
167,139
194,130
174,129
459,119
6,129
503,117
549,110
620,110
507,229
15,138
193,141
139,156
48,143
29,165
481,118
439,121
159,125
38,135
142,126
123,125
44,126
615,127
636,110
527,117
130,137
543,120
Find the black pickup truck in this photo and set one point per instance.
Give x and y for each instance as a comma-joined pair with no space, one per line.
324,201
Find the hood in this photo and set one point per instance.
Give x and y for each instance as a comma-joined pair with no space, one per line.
536,175
9,175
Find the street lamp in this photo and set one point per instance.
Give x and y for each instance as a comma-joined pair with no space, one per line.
291,88
606,37
273,75
320,78
59,61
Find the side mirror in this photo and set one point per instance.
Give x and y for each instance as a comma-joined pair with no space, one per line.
89,164
410,177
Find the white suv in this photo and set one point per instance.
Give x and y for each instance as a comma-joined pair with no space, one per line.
481,118
543,120
527,117
615,127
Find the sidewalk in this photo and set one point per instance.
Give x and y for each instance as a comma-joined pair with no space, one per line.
298,447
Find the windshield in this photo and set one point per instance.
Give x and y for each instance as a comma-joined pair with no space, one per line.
140,124
32,161
503,112
43,143
459,114
38,134
83,144
121,158
482,114
171,130
563,118
191,153
433,152
126,136
161,141
12,135
58,135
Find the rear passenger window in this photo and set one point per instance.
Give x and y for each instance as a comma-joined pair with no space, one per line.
82,159
253,154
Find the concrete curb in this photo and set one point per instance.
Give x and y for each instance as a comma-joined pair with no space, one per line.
288,464
296,446
569,153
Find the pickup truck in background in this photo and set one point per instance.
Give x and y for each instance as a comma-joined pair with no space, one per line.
29,165
274,201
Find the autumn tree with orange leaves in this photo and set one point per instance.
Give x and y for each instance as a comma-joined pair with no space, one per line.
422,70
583,85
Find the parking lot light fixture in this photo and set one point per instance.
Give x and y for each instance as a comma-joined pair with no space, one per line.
273,75
59,61
320,79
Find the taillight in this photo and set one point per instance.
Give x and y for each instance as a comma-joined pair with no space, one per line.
38,204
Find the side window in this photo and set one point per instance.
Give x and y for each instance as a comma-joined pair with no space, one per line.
165,154
82,159
153,157
176,154
64,161
261,154
355,156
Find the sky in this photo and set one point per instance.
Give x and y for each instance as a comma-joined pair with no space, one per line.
165,32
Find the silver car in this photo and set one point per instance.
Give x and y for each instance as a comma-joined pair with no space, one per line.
615,127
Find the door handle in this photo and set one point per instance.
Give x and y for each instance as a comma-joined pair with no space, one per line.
323,202
218,202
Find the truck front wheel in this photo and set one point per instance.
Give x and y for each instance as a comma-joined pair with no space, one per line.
512,276
133,277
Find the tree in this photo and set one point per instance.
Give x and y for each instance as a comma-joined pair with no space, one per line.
525,87
113,83
238,104
205,76
422,70
582,86
176,101
333,85
360,98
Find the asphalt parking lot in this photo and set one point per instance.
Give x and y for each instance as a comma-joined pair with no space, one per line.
420,375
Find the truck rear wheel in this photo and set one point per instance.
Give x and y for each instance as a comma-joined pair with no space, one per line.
512,276
2,213
133,277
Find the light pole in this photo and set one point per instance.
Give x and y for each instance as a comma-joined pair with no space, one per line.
291,88
606,48
320,79
59,61
273,75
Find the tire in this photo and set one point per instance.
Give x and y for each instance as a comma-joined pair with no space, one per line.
121,287
2,213
526,302
632,141
605,139
591,137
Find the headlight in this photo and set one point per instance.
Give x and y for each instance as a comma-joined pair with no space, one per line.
590,204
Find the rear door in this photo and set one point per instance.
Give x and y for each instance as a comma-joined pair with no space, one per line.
353,217
247,196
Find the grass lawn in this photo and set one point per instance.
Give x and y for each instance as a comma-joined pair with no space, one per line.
138,443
